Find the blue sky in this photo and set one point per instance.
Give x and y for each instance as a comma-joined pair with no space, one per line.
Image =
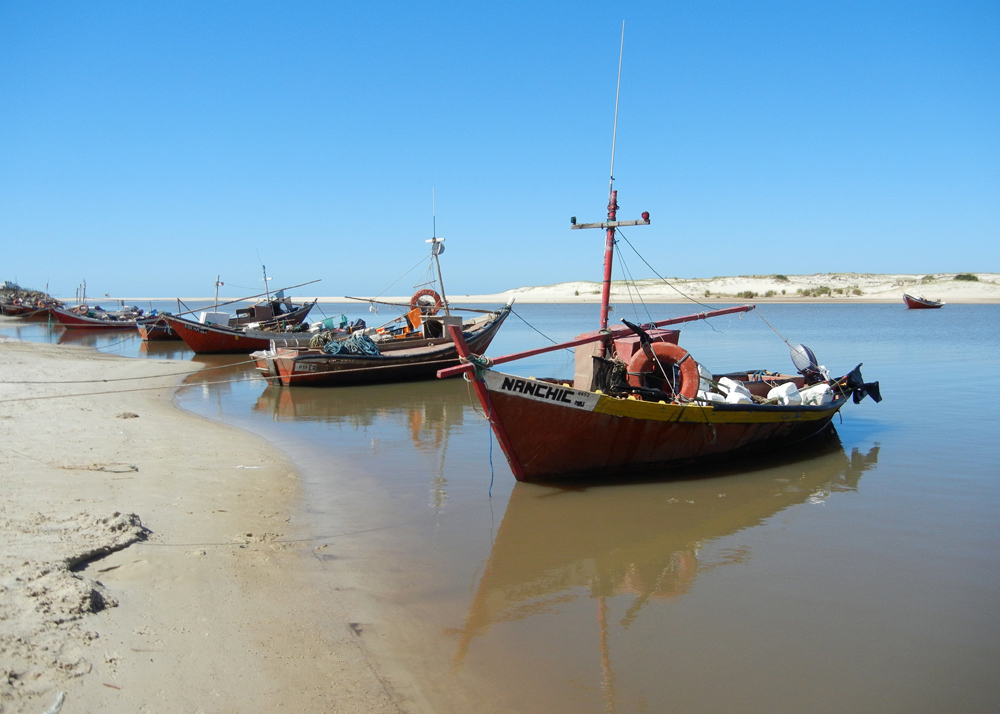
148,146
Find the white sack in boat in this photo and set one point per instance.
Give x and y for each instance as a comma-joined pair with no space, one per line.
816,395
786,394
730,386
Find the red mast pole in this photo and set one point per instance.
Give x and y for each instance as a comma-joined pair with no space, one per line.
609,255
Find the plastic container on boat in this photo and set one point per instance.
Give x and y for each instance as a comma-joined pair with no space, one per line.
816,395
206,317
704,379
730,386
710,397
735,397
786,394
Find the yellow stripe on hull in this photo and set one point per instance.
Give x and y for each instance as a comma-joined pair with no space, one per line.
707,413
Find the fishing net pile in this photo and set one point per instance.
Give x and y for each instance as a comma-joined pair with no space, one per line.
357,344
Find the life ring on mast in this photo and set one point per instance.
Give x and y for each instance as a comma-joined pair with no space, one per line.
667,354
425,306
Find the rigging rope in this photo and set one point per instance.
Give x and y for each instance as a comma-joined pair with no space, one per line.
130,379
665,281
514,312
125,391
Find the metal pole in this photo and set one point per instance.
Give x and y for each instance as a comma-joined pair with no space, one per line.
609,243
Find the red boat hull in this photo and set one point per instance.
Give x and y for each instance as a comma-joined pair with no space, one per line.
75,321
554,431
916,303
215,339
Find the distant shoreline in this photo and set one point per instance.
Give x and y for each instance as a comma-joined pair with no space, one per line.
819,288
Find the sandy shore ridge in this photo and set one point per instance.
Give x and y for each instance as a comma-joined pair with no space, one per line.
149,562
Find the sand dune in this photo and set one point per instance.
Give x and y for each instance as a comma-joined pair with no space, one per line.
837,287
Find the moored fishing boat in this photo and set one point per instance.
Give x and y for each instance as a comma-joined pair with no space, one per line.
639,403
209,338
27,304
416,349
84,317
417,356
920,303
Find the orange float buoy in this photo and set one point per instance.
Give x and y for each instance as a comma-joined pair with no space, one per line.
666,354
427,307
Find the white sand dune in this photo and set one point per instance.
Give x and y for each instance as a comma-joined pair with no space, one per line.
835,287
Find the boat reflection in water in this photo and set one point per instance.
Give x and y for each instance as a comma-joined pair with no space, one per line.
640,541
169,349
426,412
98,339
429,413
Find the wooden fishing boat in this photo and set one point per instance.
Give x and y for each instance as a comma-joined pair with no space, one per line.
25,303
14,309
639,403
920,302
209,338
419,355
83,317
27,311
416,348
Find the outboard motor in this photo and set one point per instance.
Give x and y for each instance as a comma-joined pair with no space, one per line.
808,366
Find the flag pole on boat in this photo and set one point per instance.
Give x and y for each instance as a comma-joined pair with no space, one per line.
437,248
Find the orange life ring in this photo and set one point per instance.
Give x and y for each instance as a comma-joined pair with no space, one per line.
41,303
666,353
82,310
425,307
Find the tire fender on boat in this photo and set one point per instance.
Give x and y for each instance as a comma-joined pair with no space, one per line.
667,354
426,292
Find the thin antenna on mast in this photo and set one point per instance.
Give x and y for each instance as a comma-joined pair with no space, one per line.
614,132
434,217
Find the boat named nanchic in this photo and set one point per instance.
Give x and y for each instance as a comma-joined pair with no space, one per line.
639,402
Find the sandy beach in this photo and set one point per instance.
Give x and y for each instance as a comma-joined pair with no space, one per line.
149,562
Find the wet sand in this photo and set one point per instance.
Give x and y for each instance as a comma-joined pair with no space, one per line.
149,560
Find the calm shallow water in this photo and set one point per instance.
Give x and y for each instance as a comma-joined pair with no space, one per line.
860,577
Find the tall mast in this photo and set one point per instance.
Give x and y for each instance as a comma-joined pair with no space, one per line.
609,241
437,248
611,225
